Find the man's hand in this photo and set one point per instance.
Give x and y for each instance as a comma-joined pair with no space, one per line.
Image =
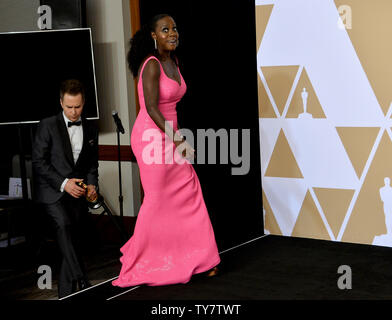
91,192
73,189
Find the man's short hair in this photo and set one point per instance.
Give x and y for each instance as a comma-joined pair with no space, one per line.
72,87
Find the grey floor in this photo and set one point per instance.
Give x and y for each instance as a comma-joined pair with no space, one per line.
276,268
22,285
273,267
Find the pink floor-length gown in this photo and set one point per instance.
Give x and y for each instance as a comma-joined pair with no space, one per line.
173,236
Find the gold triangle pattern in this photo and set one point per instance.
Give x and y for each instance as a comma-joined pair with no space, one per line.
335,203
266,110
282,163
367,219
263,13
305,97
371,37
358,143
309,223
270,222
280,80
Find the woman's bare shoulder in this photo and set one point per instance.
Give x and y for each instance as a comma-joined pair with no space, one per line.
151,68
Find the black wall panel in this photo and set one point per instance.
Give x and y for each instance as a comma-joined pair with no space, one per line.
218,60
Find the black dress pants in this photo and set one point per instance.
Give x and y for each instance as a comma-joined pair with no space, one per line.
69,215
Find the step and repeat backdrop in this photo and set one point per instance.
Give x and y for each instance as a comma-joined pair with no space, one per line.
325,96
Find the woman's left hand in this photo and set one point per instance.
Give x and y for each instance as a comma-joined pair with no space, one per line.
188,152
186,149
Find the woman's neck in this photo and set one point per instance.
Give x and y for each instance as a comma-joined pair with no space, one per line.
164,55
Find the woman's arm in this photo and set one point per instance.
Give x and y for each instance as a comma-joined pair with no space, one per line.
150,78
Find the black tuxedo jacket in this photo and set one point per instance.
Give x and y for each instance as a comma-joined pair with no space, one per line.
53,160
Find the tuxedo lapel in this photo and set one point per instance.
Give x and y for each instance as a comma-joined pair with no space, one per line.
85,139
65,138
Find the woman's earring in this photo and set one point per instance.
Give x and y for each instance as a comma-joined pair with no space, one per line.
155,42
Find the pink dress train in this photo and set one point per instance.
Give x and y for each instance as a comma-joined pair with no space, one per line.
173,236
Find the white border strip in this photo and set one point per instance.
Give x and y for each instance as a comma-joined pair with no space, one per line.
122,293
244,243
96,285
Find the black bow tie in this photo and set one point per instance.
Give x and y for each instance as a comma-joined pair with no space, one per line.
76,123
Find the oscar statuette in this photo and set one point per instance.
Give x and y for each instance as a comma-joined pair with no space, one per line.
93,202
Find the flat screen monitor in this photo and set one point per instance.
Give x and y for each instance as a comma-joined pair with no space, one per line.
32,66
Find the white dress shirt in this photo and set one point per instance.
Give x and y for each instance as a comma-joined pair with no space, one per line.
76,138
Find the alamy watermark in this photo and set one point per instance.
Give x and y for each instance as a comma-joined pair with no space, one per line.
345,20
45,19
232,146
346,279
45,280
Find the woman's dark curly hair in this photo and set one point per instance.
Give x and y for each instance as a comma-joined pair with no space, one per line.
142,45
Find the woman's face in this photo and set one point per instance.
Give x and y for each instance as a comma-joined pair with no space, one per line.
166,34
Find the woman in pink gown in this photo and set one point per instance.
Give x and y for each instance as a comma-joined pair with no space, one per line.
173,237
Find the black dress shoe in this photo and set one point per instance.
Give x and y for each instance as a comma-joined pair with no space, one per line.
83,284
74,286
63,292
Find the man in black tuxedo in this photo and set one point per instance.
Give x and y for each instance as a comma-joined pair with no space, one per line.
65,152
